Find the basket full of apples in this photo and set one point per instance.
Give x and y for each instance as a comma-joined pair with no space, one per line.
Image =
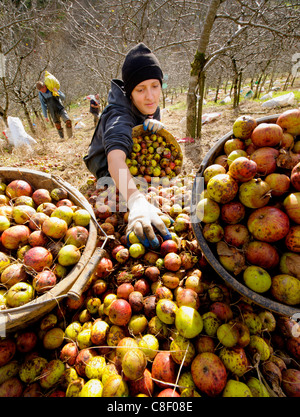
48,244
154,155
246,209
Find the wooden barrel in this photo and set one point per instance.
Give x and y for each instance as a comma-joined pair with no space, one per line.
70,286
209,251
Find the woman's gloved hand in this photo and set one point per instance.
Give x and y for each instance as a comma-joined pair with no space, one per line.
142,216
153,125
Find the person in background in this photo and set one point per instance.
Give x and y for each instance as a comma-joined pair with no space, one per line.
53,105
95,108
132,101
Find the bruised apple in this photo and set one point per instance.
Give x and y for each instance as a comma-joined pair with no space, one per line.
164,369
244,126
120,312
22,213
262,254
279,183
243,169
44,281
17,188
265,159
15,236
19,294
222,188
268,224
209,373
254,193
54,227
76,235
13,273
41,195
266,134
38,258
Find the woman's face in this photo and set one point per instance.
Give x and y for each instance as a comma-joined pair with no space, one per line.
145,96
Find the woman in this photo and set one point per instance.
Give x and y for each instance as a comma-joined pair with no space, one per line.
132,101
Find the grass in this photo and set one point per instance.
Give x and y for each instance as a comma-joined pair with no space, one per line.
181,105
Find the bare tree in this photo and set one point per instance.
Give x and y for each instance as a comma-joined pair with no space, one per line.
279,18
23,45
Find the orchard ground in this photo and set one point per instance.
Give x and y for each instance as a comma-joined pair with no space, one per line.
64,158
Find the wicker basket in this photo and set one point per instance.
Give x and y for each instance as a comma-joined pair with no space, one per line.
139,131
169,138
209,250
72,285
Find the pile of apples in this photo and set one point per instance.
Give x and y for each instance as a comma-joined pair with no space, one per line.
42,236
250,209
153,155
153,323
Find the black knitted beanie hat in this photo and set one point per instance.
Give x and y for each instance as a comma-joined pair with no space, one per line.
140,64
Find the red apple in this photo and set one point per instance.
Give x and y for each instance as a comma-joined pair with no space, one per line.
289,121
44,281
16,188
209,373
267,134
13,273
37,238
265,159
268,224
38,258
164,369
120,312
76,235
15,236
36,220
41,195
26,341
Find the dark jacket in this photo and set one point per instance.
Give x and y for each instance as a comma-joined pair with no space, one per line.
94,110
114,129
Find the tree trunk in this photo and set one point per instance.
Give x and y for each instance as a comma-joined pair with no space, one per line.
235,83
200,103
272,80
191,107
3,114
262,84
217,90
225,87
196,72
239,88
286,82
27,115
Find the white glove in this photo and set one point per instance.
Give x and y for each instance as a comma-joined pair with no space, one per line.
142,215
153,125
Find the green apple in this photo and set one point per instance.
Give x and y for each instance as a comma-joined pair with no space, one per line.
81,217
188,322
19,294
259,346
63,212
68,255
228,334
4,223
257,388
208,211
211,322
236,389
257,279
